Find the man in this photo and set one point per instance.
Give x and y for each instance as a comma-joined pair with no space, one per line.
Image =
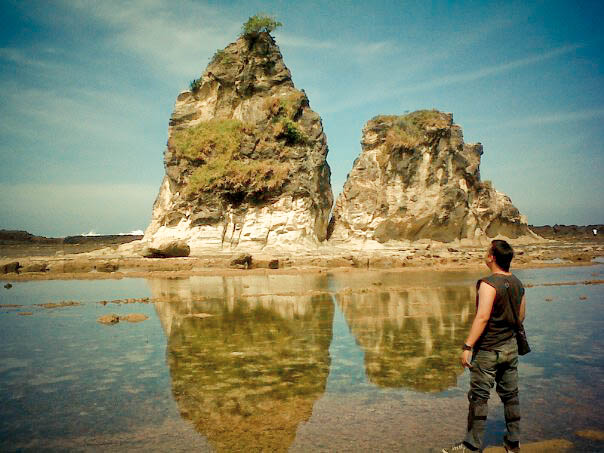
492,340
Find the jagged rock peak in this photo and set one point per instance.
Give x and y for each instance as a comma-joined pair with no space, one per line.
417,179
246,157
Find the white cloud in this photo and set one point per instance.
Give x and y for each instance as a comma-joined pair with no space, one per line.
488,71
562,117
170,39
287,40
358,48
63,112
391,89
548,118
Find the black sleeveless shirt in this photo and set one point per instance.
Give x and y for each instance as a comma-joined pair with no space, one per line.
501,325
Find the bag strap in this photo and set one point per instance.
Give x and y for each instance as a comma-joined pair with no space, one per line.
507,290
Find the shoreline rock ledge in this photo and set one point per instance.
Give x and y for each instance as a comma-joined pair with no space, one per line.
245,160
417,180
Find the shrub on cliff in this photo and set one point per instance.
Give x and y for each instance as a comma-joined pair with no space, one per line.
218,136
238,176
409,130
259,23
195,84
216,147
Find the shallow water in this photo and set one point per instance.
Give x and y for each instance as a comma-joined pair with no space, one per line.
314,362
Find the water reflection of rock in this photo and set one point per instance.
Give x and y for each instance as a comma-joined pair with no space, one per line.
411,338
250,374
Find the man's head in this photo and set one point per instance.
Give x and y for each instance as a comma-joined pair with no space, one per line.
502,254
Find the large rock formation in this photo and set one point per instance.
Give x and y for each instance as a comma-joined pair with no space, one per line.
416,179
246,157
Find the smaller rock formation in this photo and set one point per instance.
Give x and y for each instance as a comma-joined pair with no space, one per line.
417,179
109,319
134,317
570,232
114,319
39,266
9,268
106,266
169,249
243,261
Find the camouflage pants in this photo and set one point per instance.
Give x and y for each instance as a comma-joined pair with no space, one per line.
499,366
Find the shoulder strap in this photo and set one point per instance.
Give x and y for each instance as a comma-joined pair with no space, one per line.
507,290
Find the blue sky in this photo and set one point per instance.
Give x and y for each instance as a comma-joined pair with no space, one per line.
87,89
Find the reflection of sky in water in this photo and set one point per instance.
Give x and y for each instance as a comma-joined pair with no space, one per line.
67,381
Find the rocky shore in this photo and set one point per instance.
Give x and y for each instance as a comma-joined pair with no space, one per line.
103,259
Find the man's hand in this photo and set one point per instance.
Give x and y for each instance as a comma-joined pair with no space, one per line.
466,357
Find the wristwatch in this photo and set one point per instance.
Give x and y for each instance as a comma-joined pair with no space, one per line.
466,347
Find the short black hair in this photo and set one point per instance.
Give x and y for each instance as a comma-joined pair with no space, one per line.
503,254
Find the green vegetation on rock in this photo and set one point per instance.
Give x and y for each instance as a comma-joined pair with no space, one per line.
259,23
216,145
285,109
195,84
408,131
238,176
222,137
220,56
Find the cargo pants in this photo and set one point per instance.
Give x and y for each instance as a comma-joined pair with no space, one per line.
498,366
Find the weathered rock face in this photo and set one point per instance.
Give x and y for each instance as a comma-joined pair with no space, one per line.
416,179
246,157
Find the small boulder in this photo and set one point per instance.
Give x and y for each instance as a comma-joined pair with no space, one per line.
8,268
170,249
134,317
35,267
106,267
8,286
243,261
109,319
199,315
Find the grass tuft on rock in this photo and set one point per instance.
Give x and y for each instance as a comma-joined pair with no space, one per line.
239,176
284,110
409,131
209,137
259,23
215,146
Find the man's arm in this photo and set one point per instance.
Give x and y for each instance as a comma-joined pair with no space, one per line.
522,313
486,297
